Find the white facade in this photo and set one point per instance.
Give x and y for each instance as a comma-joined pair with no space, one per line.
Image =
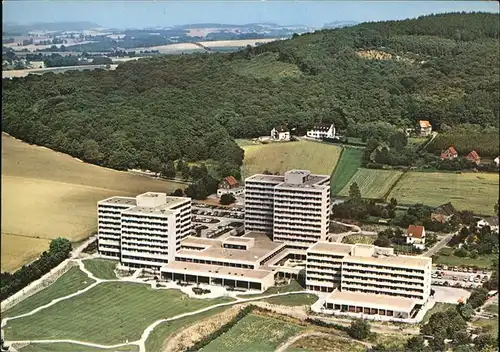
294,208
322,131
369,270
237,192
150,228
280,134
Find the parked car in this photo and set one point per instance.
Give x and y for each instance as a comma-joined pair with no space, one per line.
471,279
455,278
466,279
434,276
446,283
477,279
484,279
445,267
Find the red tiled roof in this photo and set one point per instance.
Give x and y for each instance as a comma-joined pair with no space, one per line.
473,155
448,153
424,123
452,150
415,231
231,181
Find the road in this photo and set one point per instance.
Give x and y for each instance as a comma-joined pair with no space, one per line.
438,246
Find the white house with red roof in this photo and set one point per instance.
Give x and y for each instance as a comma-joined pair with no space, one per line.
230,185
416,236
474,157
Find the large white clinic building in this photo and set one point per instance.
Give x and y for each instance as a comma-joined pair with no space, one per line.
368,279
294,208
145,231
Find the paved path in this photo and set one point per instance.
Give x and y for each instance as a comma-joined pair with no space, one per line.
283,347
438,246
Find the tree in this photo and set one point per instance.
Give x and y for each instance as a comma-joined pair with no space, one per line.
495,207
180,165
484,341
177,193
461,252
359,329
415,344
382,241
168,170
461,338
227,199
60,246
354,192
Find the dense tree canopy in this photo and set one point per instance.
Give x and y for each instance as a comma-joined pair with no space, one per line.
441,68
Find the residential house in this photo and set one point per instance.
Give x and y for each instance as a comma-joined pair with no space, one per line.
443,213
474,157
230,185
449,153
497,160
280,133
322,130
416,236
492,222
424,127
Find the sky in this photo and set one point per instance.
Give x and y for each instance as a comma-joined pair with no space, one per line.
141,14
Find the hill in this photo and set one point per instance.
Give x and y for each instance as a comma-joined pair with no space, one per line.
47,194
441,68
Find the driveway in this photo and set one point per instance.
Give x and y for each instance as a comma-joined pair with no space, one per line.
449,294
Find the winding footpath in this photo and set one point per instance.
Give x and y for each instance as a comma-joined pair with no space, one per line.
141,343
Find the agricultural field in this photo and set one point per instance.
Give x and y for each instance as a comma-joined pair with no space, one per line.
108,314
101,268
372,183
46,194
348,165
254,333
325,344
472,191
70,282
297,299
319,158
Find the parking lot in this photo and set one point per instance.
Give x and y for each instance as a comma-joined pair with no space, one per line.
212,221
449,294
467,278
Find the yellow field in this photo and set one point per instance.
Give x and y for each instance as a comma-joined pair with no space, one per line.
319,158
473,191
46,194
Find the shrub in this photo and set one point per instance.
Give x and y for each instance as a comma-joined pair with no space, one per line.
359,329
227,199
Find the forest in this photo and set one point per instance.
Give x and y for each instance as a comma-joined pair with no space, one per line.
441,68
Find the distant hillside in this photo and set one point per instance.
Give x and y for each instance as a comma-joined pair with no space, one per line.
365,79
49,26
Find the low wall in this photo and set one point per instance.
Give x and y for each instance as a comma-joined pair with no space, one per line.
45,280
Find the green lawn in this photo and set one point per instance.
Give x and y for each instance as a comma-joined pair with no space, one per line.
110,313
265,65
466,191
298,299
293,286
350,161
101,268
488,325
70,347
363,239
372,183
438,307
156,339
482,261
254,333
319,158
70,282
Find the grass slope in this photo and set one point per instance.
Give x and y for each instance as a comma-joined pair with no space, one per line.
319,158
438,307
62,193
162,332
472,191
482,261
349,163
254,333
67,347
70,282
265,65
101,268
325,344
110,313
297,299
372,183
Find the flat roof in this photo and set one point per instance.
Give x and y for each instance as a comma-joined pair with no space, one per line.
215,270
331,248
262,247
371,300
162,209
267,178
239,239
391,260
120,200
311,182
